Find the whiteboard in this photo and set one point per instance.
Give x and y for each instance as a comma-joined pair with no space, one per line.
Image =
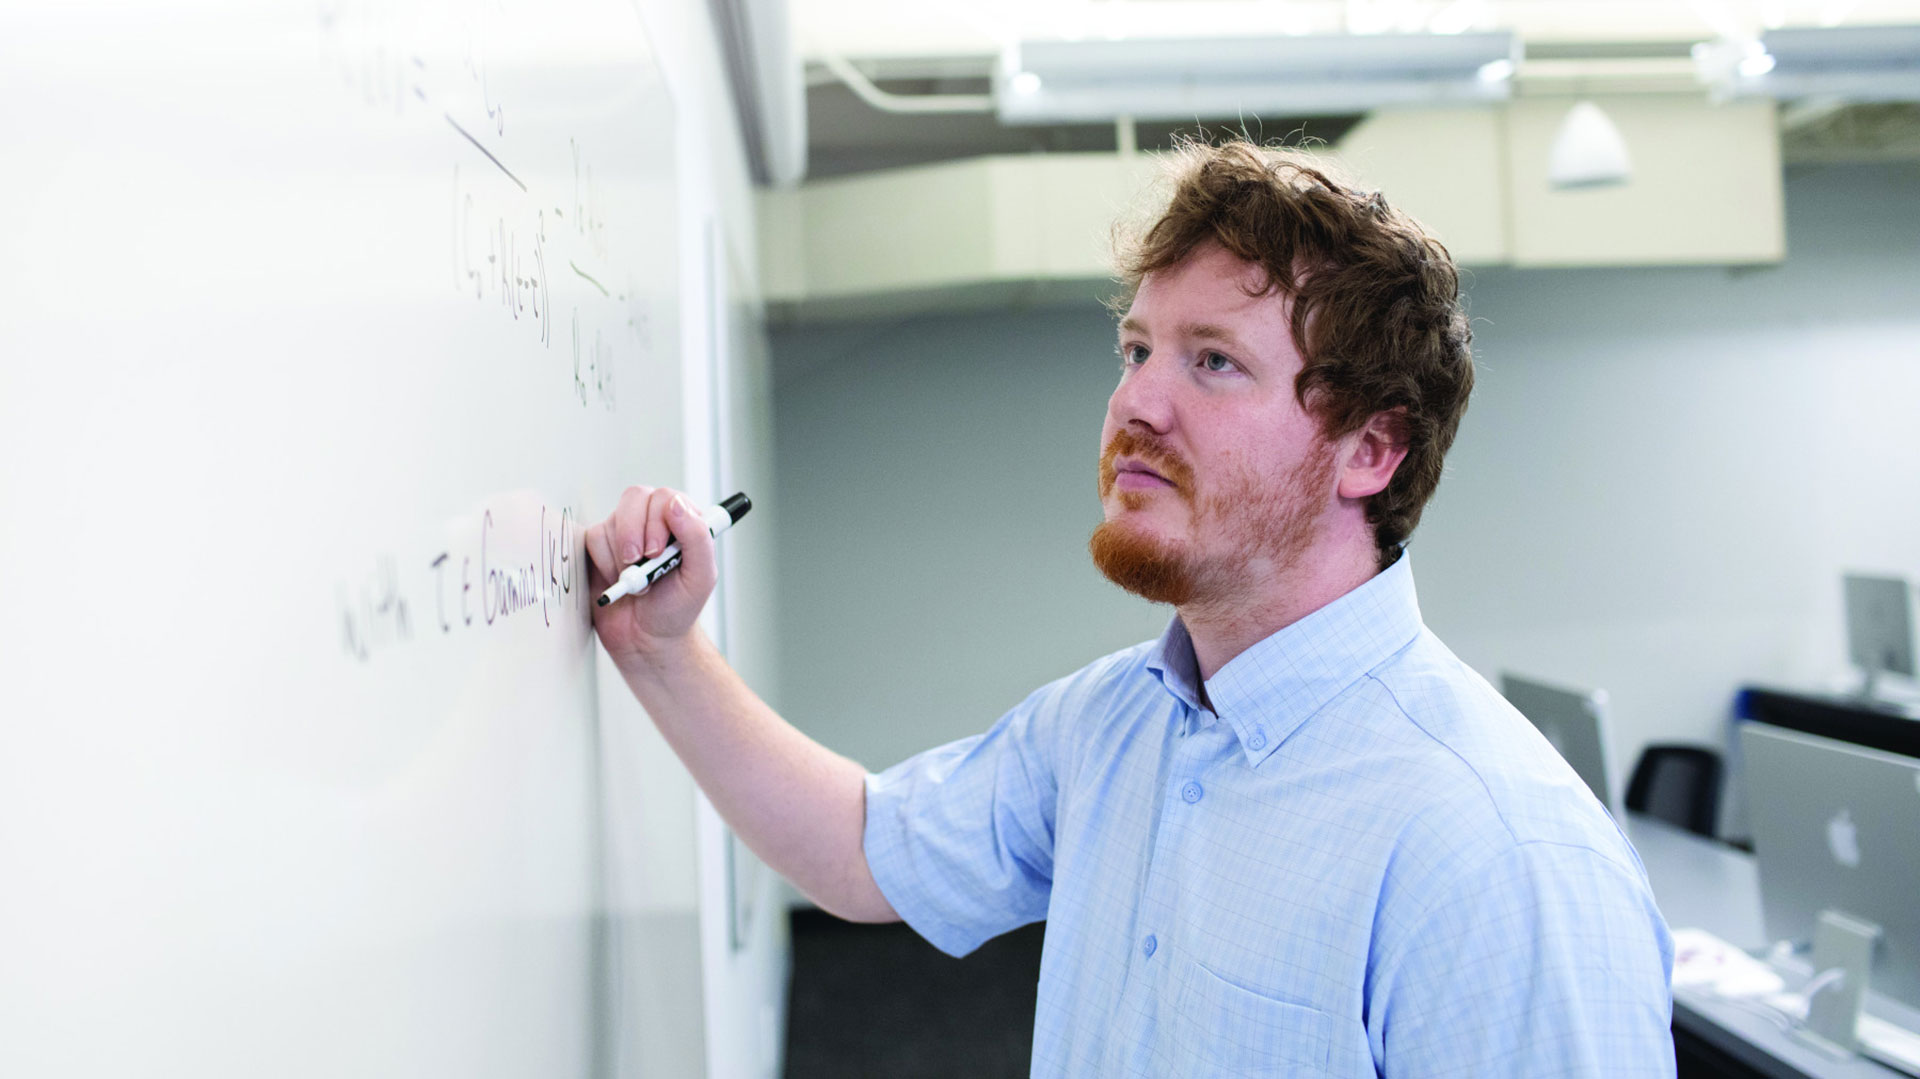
325,329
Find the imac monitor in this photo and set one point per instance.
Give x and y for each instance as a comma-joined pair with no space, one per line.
1837,826
1879,626
1575,722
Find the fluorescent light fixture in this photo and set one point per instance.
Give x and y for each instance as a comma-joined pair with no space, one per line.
1752,67
1850,63
1495,70
1025,82
1189,78
1458,17
1588,151
1296,20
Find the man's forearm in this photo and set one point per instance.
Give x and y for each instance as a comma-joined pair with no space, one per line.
799,806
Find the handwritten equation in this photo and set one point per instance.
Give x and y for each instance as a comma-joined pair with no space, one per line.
502,574
374,615
500,256
511,246
379,50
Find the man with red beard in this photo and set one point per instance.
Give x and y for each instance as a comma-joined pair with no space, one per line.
1293,836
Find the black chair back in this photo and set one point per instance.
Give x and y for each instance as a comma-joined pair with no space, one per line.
1678,784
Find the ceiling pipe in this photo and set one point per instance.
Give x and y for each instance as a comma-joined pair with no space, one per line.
920,104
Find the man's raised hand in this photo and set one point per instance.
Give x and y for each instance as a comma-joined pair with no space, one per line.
640,527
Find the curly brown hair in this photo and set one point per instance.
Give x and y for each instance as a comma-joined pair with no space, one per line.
1377,315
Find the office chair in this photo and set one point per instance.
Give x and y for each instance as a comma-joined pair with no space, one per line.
1679,785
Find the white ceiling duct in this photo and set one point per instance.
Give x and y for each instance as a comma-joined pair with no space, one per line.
1847,63
1039,82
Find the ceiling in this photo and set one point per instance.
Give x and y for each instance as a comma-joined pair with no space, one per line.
846,135
1572,47
875,29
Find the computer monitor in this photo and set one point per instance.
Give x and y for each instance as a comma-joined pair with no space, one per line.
1575,722
1836,826
1879,626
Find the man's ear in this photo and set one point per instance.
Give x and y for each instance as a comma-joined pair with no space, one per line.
1370,455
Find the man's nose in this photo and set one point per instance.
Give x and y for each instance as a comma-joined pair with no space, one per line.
1145,396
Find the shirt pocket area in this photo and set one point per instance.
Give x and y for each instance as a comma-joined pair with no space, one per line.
1224,1030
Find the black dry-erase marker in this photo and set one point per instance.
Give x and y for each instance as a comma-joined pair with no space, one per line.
640,576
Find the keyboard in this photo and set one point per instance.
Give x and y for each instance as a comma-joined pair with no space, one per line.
1704,961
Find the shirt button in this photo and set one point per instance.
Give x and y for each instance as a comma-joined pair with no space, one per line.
1149,945
1191,792
1258,741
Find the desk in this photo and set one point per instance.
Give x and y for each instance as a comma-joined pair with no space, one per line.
1708,885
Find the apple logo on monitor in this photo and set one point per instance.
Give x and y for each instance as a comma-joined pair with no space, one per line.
1843,839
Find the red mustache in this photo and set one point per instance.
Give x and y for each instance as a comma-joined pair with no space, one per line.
1131,442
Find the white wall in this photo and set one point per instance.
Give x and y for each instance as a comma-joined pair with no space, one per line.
936,480
1660,479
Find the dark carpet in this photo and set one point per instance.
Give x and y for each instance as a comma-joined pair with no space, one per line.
876,1000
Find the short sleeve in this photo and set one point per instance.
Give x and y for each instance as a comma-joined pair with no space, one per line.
1551,960
960,838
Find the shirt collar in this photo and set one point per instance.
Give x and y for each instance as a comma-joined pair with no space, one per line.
1172,661
1266,692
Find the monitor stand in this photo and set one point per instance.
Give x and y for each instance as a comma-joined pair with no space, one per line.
1842,961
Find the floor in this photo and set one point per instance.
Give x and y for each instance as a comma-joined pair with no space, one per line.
876,1000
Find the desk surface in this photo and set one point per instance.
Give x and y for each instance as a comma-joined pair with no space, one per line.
1703,884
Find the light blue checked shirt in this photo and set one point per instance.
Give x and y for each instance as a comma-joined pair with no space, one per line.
1366,863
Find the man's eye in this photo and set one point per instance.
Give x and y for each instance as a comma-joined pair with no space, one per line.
1213,361
1133,354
